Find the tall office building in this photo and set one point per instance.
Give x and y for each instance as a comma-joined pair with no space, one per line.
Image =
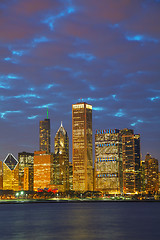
1,175
131,161
82,147
61,159
70,176
26,170
44,135
43,170
137,155
159,181
143,177
108,161
151,172
10,173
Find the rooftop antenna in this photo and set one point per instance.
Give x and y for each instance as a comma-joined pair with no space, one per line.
47,112
61,124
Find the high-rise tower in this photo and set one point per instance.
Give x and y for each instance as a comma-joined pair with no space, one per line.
151,172
108,161
82,147
61,159
44,135
10,173
131,161
25,170
43,170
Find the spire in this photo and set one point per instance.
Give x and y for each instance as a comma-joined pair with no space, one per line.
61,129
47,112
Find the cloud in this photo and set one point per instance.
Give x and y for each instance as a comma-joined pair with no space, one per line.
98,108
135,123
85,56
154,98
10,76
45,105
120,113
50,20
141,38
33,117
3,114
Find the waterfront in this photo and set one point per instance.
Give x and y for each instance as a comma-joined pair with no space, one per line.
80,220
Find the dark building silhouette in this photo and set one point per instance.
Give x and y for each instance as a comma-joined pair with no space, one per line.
44,135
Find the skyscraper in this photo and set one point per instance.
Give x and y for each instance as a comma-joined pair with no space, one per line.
137,151
44,135
151,173
1,176
10,173
82,147
61,158
131,161
43,170
26,170
142,177
108,161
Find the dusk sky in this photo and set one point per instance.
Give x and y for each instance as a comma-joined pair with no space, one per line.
53,53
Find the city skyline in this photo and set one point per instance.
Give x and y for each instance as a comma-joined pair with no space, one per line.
53,54
52,145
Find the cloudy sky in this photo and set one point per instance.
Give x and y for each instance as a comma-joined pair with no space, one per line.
55,52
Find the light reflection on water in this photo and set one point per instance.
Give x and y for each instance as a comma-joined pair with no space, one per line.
80,221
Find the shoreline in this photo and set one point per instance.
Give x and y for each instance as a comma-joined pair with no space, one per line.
27,201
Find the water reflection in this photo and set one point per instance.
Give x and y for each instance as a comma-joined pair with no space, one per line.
78,221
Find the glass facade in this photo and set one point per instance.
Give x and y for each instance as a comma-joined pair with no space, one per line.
108,161
82,147
44,135
142,177
43,170
61,159
131,161
151,173
25,162
70,176
10,173
1,176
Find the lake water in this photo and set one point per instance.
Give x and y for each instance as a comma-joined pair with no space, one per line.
81,220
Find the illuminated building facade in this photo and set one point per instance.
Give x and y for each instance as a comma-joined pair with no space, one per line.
137,157
25,162
131,161
10,173
43,170
44,135
82,147
70,176
159,181
151,168
27,183
61,159
143,178
108,161
1,176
